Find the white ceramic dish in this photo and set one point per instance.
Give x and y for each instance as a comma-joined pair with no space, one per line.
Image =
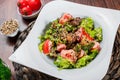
12,34
28,54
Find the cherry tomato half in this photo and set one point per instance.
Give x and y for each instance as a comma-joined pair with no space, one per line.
81,32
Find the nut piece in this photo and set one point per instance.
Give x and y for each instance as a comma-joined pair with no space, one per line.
9,27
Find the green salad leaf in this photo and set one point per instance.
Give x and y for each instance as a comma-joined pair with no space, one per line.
40,46
94,53
63,63
87,23
83,61
98,35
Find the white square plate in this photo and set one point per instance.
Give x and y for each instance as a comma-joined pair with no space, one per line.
28,53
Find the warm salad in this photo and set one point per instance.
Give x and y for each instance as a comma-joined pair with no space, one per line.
72,42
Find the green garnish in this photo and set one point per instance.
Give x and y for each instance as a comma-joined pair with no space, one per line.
5,72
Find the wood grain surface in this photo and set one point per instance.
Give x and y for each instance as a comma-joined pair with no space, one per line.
8,10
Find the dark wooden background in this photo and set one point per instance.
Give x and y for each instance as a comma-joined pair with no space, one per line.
8,10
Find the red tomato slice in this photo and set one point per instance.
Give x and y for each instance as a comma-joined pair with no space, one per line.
69,55
47,46
65,17
81,32
86,34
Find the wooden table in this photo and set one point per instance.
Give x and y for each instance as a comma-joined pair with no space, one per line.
8,10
